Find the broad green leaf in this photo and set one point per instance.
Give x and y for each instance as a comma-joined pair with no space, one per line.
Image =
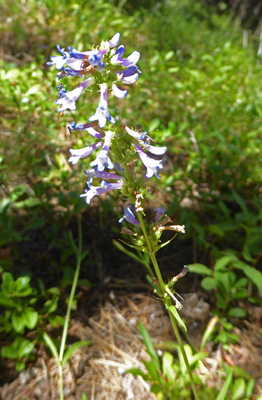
73,348
250,386
18,322
22,283
200,269
238,389
237,312
25,348
209,283
222,263
30,318
252,273
167,366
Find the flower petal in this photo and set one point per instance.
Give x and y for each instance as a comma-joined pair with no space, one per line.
121,94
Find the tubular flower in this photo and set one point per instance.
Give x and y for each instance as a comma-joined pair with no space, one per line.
102,63
68,99
105,186
86,127
82,153
103,160
151,164
102,112
129,215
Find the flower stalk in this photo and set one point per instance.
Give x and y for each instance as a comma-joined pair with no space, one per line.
121,150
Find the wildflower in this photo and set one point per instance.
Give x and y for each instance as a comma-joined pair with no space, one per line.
102,112
125,62
103,160
128,76
81,153
86,127
129,215
68,99
151,164
159,213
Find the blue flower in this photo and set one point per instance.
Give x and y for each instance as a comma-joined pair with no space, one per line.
67,100
102,112
151,164
129,215
98,190
159,213
103,160
88,127
84,152
129,75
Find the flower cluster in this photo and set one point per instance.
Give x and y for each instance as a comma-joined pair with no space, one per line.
106,69
103,67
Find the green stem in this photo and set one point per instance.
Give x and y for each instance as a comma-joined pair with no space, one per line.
167,300
69,308
180,343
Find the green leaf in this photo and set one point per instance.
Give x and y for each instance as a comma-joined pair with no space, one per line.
30,318
200,269
138,372
152,369
222,263
50,344
237,312
172,309
223,392
209,283
32,202
22,283
250,386
18,322
238,389
149,345
167,366
73,348
25,348
252,273
8,282
19,365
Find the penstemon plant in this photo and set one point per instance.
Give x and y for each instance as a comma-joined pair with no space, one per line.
104,69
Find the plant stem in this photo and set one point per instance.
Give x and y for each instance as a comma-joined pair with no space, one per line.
180,343
167,301
69,308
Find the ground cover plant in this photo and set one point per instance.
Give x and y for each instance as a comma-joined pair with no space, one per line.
200,94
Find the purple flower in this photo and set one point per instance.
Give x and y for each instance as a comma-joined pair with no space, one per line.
86,127
81,153
102,112
103,160
159,212
68,99
125,62
129,215
128,76
151,164
98,190
115,40
59,61
158,151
